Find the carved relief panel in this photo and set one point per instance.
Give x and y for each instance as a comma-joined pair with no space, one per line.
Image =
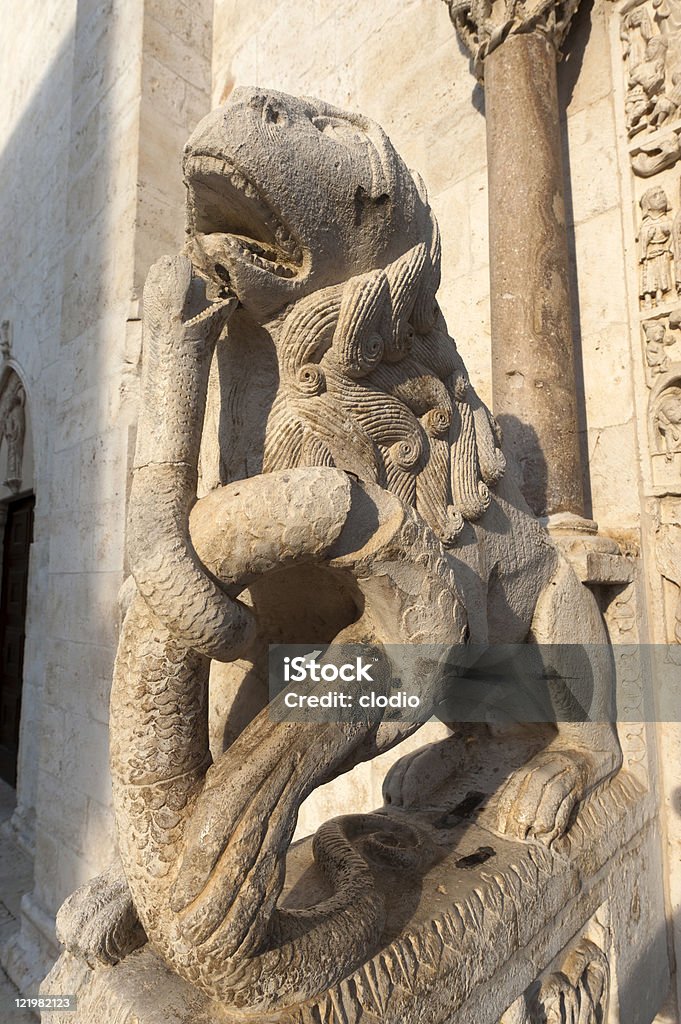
659,247
667,525
12,413
650,31
577,990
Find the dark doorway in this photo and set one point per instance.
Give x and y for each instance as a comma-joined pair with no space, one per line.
17,542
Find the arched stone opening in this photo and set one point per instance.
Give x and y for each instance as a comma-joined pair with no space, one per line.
17,500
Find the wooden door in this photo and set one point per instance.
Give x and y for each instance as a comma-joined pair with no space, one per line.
17,542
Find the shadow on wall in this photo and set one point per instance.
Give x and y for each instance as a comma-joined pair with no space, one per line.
525,461
568,73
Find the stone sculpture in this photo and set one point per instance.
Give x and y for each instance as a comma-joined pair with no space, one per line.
13,426
636,30
667,105
667,419
578,991
356,495
657,340
656,155
667,547
653,84
483,25
646,84
655,240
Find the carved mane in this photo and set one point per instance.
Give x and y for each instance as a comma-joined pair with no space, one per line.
371,386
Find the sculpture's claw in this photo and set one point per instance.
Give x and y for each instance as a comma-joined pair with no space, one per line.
98,923
539,798
411,781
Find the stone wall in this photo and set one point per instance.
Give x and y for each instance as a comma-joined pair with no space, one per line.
94,195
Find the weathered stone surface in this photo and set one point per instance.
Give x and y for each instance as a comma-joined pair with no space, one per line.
458,935
69,101
364,470
533,374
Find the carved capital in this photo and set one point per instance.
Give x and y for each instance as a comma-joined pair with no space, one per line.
483,25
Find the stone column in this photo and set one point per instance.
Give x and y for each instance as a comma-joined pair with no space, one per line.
515,47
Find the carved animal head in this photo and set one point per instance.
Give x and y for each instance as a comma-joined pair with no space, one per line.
286,195
312,218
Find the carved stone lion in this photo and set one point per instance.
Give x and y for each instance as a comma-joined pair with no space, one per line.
356,493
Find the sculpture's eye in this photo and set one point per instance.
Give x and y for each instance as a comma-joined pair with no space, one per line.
339,130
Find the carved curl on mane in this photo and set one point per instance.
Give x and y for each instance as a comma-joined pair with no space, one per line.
371,382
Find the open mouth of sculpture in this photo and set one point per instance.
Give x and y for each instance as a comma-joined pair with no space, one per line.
232,219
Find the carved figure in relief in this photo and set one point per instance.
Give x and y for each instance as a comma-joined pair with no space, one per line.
668,558
655,247
676,250
667,18
667,419
6,339
578,992
358,496
645,84
636,30
657,340
668,104
13,426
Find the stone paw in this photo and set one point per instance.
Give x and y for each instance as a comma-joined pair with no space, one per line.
413,779
98,923
539,799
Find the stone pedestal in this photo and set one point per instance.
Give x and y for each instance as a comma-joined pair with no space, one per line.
491,931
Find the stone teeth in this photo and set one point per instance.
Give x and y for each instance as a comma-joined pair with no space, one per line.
285,242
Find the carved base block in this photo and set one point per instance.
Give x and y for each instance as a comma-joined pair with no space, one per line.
491,931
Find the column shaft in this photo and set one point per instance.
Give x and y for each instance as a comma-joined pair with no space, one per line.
533,371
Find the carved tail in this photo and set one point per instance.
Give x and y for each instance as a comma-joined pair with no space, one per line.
203,847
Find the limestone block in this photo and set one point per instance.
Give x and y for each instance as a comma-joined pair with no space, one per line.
613,476
170,95
61,806
191,23
295,66
601,294
477,205
77,677
453,212
234,25
356,23
592,161
605,362
179,58
585,76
